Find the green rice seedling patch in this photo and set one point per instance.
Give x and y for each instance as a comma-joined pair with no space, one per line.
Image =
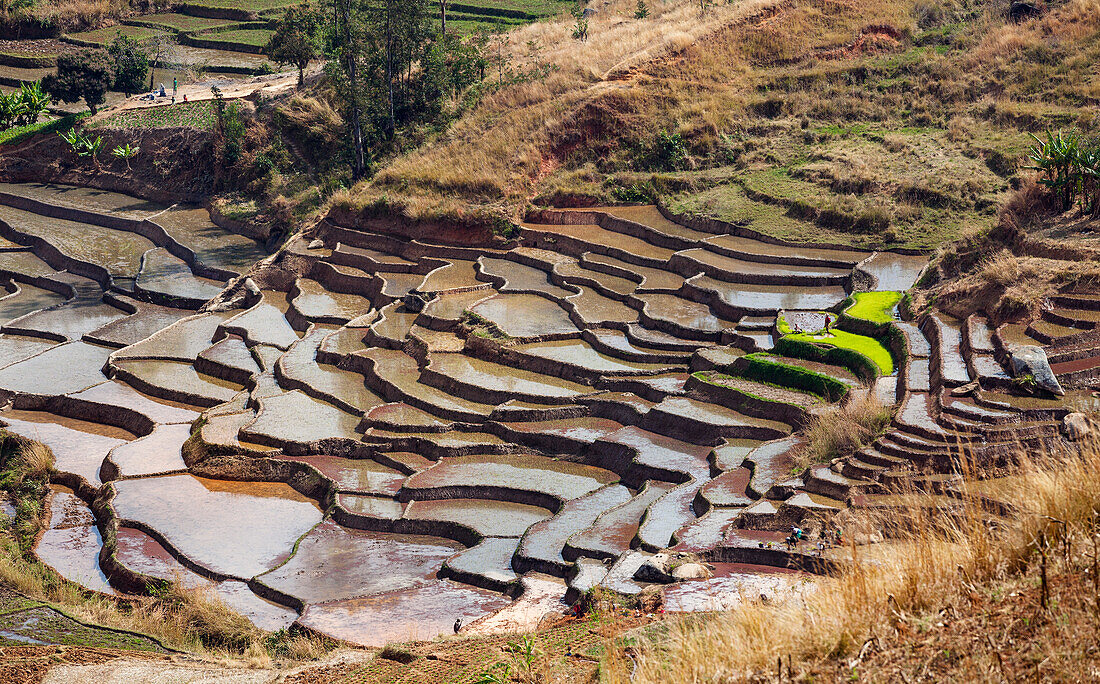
867,346
877,307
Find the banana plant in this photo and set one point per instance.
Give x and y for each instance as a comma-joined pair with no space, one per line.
1056,158
12,108
126,152
34,102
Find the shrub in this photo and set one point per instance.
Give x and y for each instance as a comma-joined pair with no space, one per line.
844,431
86,74
642,10
130,63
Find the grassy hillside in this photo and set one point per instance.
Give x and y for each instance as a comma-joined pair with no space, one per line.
887,122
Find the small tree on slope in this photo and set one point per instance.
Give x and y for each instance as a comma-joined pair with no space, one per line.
295,40
86,74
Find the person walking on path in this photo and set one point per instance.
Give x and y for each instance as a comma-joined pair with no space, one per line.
175,86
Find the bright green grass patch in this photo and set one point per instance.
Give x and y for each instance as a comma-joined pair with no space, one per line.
245,36
104,36
21,133
198,115
868,346
876,307
183,23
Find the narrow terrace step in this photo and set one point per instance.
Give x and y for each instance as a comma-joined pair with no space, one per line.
732,270
666,515
542,545
948,363
579,239
1052,333
1081,302
1073,318
823,480
649,279
613,532
703,422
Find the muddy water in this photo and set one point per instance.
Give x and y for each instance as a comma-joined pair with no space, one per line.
773,462
159,452
300,364
136,327
355,474
897,272
334,563
394,323
265,322
651,278
594,308
579,353
732,585
612,533
72,543
423,612
684,312
25,263
513,471
574,271
520,277
232,353
372,506
450,306
73,319
397,285
545,540
458,273
745,245
405,416
773,297
315,302
491,559
584,429
115,250
401,370
184,340
141,553
166,274
664,452
668,514
729,265
648,215
213,246
297,417
500,378
86,199
717,415
14,348
175,376
489,518
115,393
595,235
235,528
525,315
79,446
707,532
28,299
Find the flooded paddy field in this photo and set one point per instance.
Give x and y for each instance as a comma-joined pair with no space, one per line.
377,437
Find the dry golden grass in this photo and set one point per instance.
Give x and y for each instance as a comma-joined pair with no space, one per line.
925,567
36,460
843,431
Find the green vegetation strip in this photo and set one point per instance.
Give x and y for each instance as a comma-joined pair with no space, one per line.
876,307
199,115
21,133
867,347
104,36
770,370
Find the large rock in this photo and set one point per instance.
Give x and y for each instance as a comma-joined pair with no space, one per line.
1076,426
666,567
1032,360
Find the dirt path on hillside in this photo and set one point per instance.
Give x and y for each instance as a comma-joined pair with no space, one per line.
234,89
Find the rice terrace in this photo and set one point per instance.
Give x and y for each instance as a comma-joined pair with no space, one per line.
487,341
